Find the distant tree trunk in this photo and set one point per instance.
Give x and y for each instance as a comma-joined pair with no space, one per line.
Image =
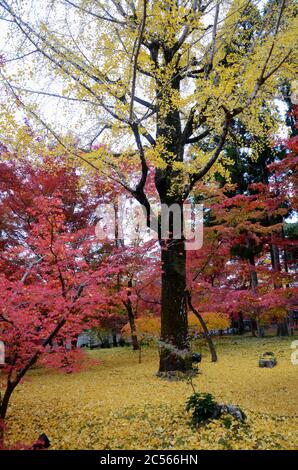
74,342
282,325
275,259
114,335
260,330
128,305
291,322
232,324
240,323
285,252
131,318
256,327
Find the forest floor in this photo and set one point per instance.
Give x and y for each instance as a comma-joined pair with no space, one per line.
121,404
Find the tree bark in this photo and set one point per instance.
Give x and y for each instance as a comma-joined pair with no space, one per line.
131,319
260,330
254,328
174,350
254,286
114,335
74,342
282,325
5,400
283,328
174,345
240,324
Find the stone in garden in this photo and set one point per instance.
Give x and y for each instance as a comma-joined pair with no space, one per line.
232,410
196,358
268,360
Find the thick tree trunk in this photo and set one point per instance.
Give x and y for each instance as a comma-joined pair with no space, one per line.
169,182
174,350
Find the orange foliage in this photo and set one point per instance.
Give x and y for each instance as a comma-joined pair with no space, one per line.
149,325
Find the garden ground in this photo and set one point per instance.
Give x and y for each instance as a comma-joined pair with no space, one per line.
121,404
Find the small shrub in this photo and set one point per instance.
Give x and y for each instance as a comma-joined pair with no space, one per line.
122,342
105,343
202,406
227,422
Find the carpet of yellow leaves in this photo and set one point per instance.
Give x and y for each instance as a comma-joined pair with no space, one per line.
121,404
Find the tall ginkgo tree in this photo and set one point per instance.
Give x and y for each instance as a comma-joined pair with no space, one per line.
160,83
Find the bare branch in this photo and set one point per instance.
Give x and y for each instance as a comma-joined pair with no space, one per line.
194,140
98,134
95,15
21,56
269,74
282,7
145,169
145,103
55,95
136,56
119,7
29,269
213,43
65,59
3,318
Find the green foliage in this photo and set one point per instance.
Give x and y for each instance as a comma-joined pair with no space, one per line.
291,231
227,421
202,406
